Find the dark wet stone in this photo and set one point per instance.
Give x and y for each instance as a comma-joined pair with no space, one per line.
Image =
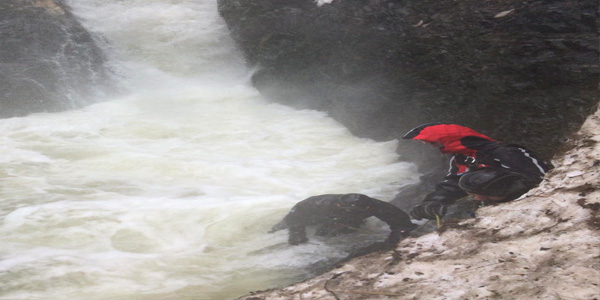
382,67
48,61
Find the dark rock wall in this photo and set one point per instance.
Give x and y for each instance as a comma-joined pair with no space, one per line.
48,62
521,71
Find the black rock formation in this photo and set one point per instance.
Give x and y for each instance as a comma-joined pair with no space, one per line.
48,61
520,71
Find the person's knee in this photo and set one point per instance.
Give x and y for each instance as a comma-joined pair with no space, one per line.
494,184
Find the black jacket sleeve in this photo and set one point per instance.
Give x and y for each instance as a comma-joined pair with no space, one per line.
448,191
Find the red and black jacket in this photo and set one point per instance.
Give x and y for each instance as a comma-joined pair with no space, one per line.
472,150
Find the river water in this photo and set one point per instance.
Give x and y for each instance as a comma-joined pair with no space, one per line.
167,190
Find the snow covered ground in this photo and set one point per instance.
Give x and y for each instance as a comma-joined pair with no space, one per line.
543,246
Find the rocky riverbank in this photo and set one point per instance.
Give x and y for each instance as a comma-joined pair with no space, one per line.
544,246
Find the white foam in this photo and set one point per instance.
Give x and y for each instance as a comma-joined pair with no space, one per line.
171,189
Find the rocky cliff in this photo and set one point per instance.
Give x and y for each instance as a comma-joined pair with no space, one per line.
521,71
48,61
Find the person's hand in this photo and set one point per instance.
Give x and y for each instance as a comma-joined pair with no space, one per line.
428,210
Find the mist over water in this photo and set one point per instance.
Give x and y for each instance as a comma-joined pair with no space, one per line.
168,190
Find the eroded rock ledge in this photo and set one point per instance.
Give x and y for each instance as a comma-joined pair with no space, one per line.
544,246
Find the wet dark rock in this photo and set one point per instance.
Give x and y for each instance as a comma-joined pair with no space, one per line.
381,67
48,62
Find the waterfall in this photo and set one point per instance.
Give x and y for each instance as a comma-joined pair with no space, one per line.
167,191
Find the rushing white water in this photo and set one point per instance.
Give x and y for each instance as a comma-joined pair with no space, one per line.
168,192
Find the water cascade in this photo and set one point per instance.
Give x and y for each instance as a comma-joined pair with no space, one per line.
168,190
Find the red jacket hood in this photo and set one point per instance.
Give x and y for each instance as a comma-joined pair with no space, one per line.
447,135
